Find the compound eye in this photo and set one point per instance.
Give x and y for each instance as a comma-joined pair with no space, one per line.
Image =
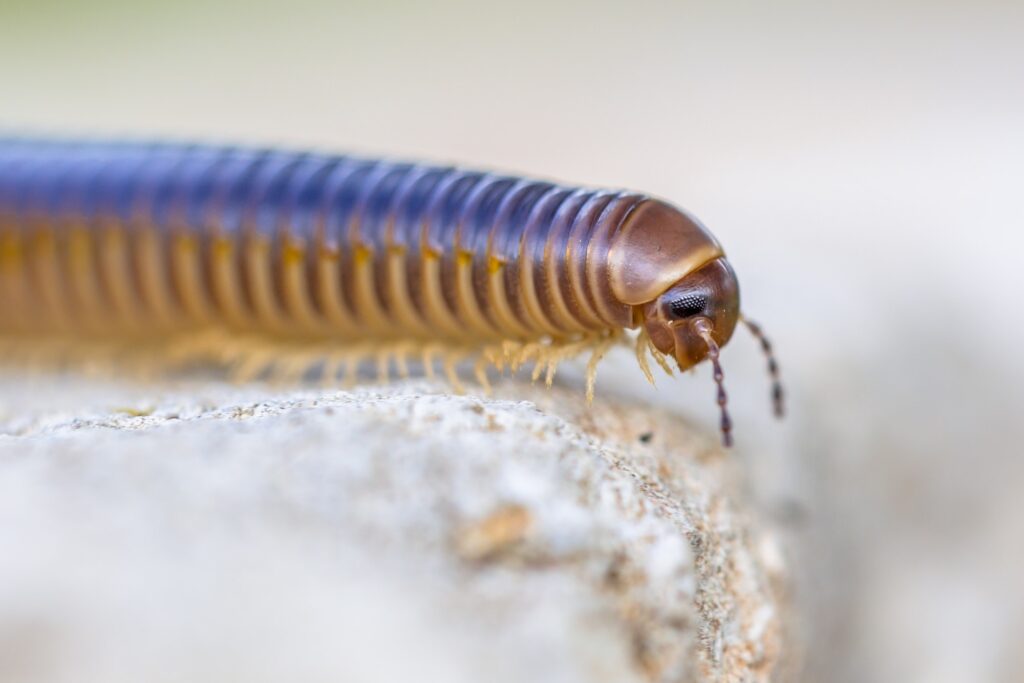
688,305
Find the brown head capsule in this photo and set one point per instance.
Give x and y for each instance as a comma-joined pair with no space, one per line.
683,291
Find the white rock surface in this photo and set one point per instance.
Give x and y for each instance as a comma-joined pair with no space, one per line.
205,532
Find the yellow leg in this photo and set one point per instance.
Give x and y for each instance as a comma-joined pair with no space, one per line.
332,364
599,351
383,366
401,360
250,364
428,361
354,358
451,362
480,372
659,357
641,355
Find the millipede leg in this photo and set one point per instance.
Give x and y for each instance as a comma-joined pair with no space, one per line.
549,373
332,365
538,369
383,366
496,356
509,354
599,352
429,352
641,351
352,362
659,358
293,365
526,352
451,363
480,372
250,365
401,360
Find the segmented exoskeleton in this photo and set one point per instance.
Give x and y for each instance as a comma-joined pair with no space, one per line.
113,239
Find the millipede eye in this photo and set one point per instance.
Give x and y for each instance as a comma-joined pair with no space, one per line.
687,305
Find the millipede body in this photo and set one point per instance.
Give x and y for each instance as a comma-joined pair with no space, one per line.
131,240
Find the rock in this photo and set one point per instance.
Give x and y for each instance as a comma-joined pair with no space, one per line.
207,532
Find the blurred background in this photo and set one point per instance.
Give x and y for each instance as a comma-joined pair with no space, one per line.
861,162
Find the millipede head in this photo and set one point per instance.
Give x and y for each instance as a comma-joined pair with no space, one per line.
694,318
710,293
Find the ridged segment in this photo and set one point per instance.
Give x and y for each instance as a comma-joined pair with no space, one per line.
162,237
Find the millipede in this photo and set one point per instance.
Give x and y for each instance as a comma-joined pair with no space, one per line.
362,258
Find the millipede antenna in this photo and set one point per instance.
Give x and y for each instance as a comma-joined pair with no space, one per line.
703,327
778,396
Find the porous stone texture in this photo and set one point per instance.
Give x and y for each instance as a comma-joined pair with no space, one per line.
205,532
